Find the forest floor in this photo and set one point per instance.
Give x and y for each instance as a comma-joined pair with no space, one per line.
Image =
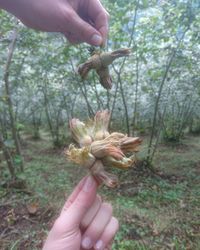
155,211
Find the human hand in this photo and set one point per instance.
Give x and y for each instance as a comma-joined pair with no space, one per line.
85,221
79,20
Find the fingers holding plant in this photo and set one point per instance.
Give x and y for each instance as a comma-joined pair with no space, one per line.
85,222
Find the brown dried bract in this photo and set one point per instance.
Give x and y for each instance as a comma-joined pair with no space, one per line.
99,149
100,62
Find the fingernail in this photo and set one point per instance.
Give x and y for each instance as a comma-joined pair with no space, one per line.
89,183
99,245
86,243
96,40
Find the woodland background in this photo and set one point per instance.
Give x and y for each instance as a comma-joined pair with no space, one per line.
155,95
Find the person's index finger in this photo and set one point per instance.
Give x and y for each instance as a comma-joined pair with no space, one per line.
83,30
74,194
83,201
95,7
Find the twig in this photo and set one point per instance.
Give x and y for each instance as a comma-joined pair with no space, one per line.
15,244
28,219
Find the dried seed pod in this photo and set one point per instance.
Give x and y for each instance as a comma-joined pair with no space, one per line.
81,156
99,149
130,144
79,132
115,138
100,63
101,122
101,175
116,135
93,62
107,58
104,77
123,163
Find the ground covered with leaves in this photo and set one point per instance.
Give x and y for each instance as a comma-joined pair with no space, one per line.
156,211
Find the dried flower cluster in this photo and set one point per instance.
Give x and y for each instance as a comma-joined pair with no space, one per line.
100,63
99,149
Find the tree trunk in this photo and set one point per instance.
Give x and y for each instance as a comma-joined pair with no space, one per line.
125,105
8,157
46,107
9,100
134,124
151,148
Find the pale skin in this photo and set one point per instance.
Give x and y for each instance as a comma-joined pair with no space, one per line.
85,222
79,20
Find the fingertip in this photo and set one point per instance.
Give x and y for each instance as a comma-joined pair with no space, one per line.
96,40
115,223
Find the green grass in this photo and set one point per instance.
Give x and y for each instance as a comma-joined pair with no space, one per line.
154,213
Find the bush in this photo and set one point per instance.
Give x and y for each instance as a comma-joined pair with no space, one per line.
173,136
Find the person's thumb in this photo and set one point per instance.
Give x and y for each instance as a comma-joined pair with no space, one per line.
73,213
83,30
